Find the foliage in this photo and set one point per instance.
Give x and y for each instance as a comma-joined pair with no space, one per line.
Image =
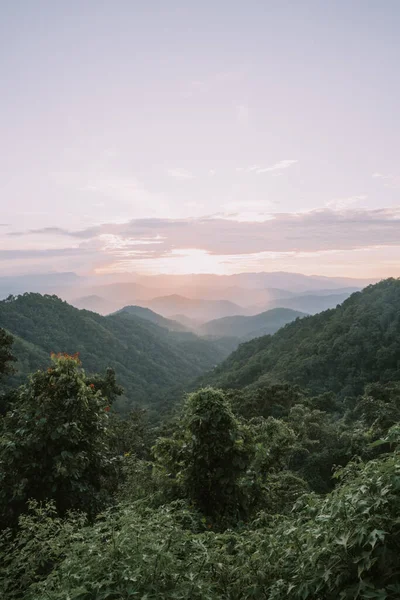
6,355
151,363
6,358
339,350
54,442
346,546
40,544
247,328
207,455
214,502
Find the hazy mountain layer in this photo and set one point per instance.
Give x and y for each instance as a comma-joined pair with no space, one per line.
150,315
198,309
247,328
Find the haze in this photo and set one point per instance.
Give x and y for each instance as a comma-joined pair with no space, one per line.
185,137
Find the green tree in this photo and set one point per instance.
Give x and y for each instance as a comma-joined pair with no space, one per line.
6,360
6,355
207,455
54,442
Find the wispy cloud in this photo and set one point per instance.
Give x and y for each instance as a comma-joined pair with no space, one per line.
389,180
344,203
179,173
31,254
277,167
315,231
43,230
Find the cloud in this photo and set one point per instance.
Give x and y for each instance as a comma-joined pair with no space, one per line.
152,242
279,166
179,173
344,203
43,230
44,253
390,181
317,230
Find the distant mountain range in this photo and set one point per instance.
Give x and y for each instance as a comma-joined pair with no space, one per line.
311,303
190,299
153,317
198,309
247,328
150,362
241,327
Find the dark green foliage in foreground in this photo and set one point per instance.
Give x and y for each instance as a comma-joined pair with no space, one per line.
338,351
149,361
266,492
346,545
207,455
54,442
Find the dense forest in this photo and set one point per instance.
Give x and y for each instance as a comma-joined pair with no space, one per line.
339,350
278,478
246,328
151,362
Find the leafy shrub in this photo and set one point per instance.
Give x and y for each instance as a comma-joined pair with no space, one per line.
54,442
207,455
344,546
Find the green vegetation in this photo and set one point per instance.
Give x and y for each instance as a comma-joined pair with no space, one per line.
150,315
339,350
54,442
266,491
6,356
151,363
247,328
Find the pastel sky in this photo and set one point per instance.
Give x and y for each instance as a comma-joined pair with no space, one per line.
180,136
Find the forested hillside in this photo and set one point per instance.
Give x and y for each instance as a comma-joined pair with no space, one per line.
224,502
339,350
247,328
153,317
149,360
284,486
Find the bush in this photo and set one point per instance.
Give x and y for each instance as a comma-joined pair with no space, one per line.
54,443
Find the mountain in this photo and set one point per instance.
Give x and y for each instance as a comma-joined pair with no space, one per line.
339,350
198,309
149,361
119,293
191,324
311,303
149,315
39,282
292,282
95,304
247,328
330,291
234,293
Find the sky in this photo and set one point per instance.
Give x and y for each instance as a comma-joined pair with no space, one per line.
200,137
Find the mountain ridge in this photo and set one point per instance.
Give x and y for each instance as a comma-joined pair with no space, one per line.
150,362
339,350
248,327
